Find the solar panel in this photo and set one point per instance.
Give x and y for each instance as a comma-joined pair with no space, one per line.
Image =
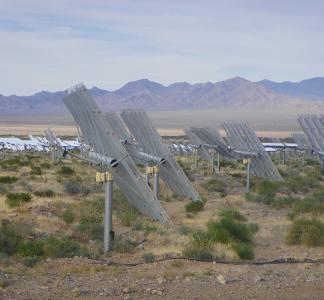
147,136
301,141
313,128
99,135
209,138
244,140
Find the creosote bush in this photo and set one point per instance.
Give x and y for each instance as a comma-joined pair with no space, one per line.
16,199
231,230
213,185
45,193
35,170
8,179
194,207
307,232
66,170
148,257
68,216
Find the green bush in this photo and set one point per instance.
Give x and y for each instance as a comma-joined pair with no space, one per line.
148,257
45,193
57,247
243,250
3,189
267,188
92,211
10,237
125,246
16,199
197,253
213,185
68,216
30,261
31,248
307,232
45,165
66,170
184,229
72,187
86,232
232,213
128,217
194,207
8,179
201,238
35,170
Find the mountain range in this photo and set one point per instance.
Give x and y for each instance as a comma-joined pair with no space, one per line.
236,92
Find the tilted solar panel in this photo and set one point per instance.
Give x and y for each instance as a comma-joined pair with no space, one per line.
147,136
241,137
99,135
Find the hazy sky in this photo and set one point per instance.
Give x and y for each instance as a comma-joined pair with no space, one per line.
52,45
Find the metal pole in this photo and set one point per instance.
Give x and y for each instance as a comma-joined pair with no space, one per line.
147,175
284,156
212,160
248,174
196,159
156,181
108,232
218,162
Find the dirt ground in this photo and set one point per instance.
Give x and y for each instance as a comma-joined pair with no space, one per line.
85,278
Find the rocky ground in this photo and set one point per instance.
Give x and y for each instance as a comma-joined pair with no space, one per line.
175,279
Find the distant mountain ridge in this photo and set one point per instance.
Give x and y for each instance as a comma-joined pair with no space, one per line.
235,92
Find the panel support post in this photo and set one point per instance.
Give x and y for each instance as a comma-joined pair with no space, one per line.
212,160
218,162
196,159
248,174
108,232
156,170
147,175
284,156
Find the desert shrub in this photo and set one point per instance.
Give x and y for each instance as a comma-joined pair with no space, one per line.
128,217
201,238
72,187
267,188
8,179
253,227
16,199
15,162
68,216
10,237
307,232
148,257
243,250
92,211
57,247
222,194
45,165
30,261
45,193
194,207
86,232
301,183
213,185
31,248
197,253
125,246
232,213
184,229
66,170
35,170
3,189
282,202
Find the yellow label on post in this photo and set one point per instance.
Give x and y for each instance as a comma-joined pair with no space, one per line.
149,170
156,169
108,176
100,177
246,161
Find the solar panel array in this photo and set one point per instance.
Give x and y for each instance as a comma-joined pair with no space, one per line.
313,127
99,135
241,137
209,138
141,127
301,141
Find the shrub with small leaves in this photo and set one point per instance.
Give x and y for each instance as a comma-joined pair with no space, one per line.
35,170
45,193
66,170
16,199
8,179
68,216
148,257
194,207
